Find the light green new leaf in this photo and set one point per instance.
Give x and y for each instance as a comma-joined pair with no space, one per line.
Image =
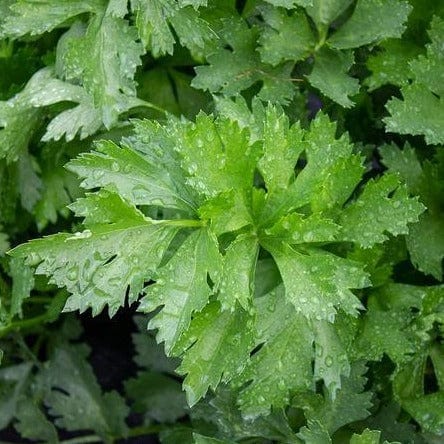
228,211
387,205
36,17
224,412
182,287
287,349
133,175
236,284
217,155
372,21
329,75
120,249
75,398
282,146
286,37
329,178
216,348
317,282
323,12
295,229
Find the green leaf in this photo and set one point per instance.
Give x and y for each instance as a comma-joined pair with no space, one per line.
4,244
134,176
32,423
390,305
386,203
157,396
181,287
282,145
18,123
317,282
367,437
372,21
148,354
323,12
236,284
107,56
421,111
315,433
120,249
428,411
351,403
60,188
216,155
152,21
216,348
427,109
425,240
331,360
385,64
286,37
22,284
13,382
329,75
75,397
233,70
287,348
200,439
36,17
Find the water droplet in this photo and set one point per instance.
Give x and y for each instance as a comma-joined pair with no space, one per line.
80,235
286,224
98,174
115,167
33,259
308,236
73,273
328,361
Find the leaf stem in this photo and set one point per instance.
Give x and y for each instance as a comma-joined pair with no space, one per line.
25,323
190,223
